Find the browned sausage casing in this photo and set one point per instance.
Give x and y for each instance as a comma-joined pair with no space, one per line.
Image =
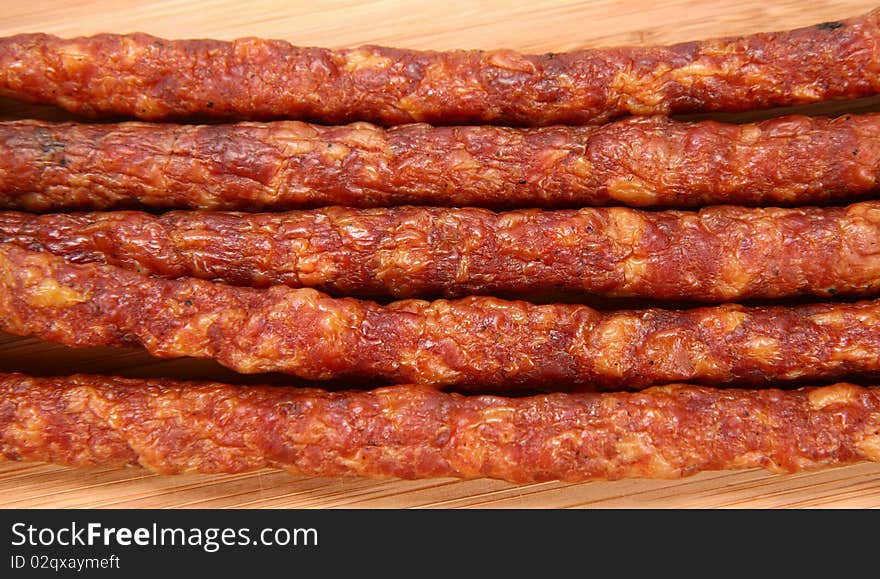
650,162
151,78
418,432
475,343
714,255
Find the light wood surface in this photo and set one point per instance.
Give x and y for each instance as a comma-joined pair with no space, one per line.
536,25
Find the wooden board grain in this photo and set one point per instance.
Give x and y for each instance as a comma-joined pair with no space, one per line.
535,26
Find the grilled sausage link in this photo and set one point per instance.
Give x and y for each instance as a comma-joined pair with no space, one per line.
647,162
418,432
151,78
474,344
717,254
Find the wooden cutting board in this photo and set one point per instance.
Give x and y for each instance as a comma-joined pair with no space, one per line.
531,25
